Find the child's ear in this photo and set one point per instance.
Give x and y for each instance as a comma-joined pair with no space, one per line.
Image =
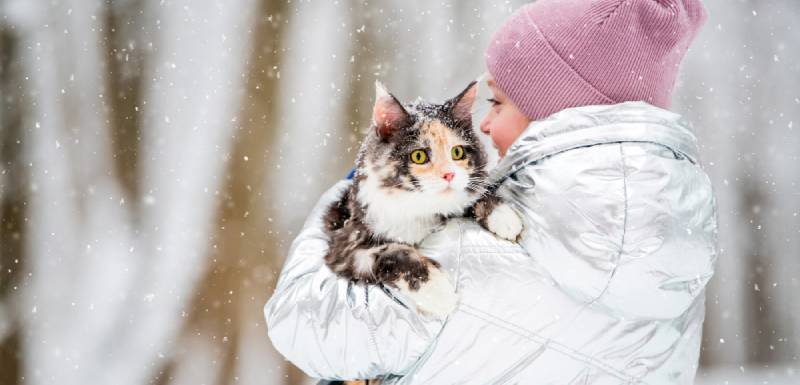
460,107
388,115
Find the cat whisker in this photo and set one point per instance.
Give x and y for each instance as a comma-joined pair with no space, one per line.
478,179
480,183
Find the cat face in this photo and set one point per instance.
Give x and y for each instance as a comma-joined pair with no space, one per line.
424,154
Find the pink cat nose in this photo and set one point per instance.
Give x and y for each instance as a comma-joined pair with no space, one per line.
448,176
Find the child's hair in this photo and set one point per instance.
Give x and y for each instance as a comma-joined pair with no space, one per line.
556,54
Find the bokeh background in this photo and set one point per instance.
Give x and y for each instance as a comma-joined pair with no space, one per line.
157,158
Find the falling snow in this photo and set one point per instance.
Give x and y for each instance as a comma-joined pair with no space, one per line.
158,158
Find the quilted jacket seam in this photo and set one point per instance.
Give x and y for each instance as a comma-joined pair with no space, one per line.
548,343
624,227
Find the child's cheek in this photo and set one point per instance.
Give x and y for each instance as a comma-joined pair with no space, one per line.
500,140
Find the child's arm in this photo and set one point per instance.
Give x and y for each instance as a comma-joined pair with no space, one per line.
333,329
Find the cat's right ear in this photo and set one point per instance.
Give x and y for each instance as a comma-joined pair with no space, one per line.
388,115
461,106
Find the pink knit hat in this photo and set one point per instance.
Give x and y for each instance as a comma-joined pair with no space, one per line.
556,54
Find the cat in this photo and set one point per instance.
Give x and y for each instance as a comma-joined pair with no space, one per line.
419,165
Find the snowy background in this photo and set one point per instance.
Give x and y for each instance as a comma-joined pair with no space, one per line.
157,157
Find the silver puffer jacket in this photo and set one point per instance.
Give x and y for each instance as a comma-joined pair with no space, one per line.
606,285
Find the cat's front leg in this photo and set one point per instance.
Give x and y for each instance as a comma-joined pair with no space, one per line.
497,216
418,278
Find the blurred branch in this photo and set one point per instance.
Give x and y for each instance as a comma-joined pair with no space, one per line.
125,49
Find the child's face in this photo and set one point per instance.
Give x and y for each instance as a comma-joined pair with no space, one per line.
504,122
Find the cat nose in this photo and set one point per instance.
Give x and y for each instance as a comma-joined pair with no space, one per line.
448,176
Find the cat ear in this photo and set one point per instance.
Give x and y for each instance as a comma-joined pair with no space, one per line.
388,114
460,107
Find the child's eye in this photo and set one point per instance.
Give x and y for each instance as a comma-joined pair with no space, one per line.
494,101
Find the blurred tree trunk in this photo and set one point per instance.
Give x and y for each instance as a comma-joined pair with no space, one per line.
712,100
746,126
13,207
120,205
226,326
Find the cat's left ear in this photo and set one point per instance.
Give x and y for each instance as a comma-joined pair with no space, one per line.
388,115
460,107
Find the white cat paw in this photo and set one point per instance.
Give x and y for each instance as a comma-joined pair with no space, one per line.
436,297
504,222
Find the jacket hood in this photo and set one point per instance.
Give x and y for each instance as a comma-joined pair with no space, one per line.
600,124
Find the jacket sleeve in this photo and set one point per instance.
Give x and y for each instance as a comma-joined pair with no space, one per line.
630,227
331,328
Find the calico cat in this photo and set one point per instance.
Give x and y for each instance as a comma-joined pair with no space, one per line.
419,165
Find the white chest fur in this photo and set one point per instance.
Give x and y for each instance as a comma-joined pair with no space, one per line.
398,215
400,227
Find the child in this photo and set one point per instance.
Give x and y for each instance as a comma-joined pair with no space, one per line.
607,283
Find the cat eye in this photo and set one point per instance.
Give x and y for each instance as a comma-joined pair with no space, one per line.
419,156
457,152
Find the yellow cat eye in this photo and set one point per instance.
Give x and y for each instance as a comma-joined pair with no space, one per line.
457,152
419,156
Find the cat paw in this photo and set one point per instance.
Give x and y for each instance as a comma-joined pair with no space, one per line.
504,222
435,297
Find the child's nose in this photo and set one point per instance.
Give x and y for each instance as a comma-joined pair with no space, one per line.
485,125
